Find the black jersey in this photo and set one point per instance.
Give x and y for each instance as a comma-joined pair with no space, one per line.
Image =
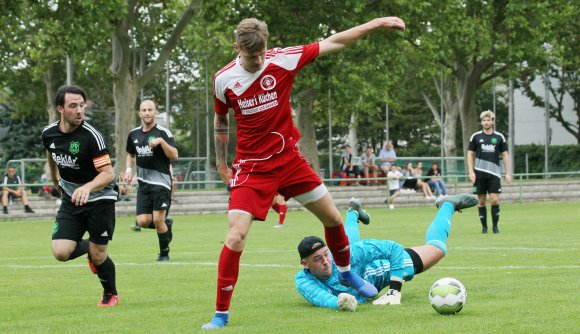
152,163
488,150
11,181
78,155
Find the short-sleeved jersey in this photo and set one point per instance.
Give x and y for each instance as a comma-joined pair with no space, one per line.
488,150
78,155
374,260
11,181
152,163
261,100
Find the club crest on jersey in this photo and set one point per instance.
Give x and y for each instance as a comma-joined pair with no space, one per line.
150,139
74,147
494,140
268,82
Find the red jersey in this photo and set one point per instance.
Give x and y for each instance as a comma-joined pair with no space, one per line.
261,101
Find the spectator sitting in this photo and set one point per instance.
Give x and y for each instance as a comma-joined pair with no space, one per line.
436,181
393,175
413,183
369,166
12,192
387,156
346,164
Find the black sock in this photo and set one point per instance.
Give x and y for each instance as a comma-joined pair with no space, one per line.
106,273
164,240
483,216
81,249
495,215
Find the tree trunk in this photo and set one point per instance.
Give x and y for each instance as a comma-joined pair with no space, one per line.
50,96
125,95
352,134
308,145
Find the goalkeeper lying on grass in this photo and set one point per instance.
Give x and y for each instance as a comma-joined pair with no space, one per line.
382,263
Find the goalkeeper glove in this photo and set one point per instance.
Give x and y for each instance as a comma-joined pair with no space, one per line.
347,302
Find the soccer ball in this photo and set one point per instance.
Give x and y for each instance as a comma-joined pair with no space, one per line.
447,296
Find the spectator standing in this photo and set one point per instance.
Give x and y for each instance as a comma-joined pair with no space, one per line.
11,191
436,180
151,148
257,86
369,166
393,176
483,158
80,165
387,156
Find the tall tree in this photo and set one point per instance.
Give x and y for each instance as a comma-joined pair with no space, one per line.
128,78
468,38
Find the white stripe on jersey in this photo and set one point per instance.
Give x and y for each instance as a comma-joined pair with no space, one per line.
96,134
166,130
238,80
475,134
50,126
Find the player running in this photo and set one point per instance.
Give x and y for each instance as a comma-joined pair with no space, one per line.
153,148
79,163
257,86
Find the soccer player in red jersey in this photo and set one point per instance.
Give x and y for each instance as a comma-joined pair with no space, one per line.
257,85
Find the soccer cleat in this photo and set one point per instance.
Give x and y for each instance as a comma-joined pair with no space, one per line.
495,230
278,225
355,205
484,230
92,266
219,320
163,258
135,228
108,299
460,201
352,280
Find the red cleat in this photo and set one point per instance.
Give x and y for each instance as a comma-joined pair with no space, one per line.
92,266
108,300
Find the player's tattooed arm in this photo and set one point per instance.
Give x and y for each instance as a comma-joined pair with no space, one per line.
53,169
221,128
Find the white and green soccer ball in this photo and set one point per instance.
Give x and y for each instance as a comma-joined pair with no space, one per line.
447,296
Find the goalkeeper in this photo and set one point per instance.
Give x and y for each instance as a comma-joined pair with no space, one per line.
380,262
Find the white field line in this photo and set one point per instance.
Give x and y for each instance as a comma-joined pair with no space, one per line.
264,265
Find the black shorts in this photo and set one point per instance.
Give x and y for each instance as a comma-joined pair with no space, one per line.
486,183
149,200
97,218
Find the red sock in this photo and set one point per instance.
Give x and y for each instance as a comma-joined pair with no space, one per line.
228,269
337,242
282,212
276,207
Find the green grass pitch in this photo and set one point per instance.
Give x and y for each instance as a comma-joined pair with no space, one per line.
524,280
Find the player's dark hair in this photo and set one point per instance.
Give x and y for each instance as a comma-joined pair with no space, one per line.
63,90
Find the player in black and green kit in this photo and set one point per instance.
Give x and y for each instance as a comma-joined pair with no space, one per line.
80,167
486,148
152,148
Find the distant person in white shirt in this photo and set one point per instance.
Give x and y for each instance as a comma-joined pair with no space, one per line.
394,185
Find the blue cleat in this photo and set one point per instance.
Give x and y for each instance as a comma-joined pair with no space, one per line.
354,281
219,320
355,205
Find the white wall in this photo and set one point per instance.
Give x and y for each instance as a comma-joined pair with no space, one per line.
530,121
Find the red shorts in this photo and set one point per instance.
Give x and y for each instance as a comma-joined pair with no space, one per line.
255,183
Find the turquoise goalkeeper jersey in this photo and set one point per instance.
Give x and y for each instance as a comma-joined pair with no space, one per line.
374,260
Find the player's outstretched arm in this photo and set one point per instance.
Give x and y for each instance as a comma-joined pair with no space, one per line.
342,39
